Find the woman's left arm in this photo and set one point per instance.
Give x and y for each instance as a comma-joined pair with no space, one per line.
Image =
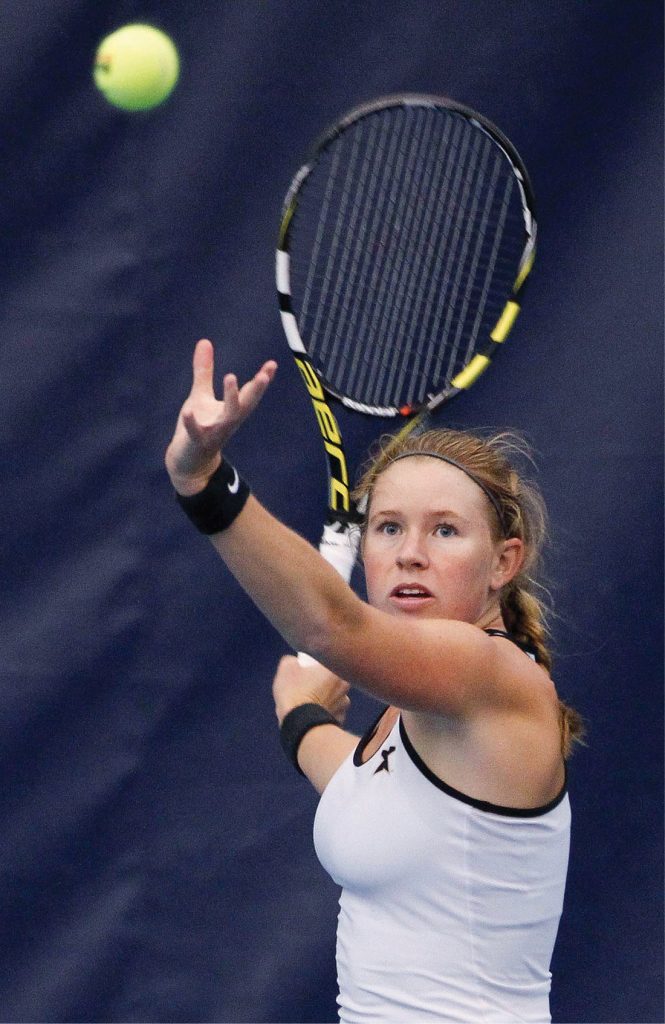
285,576
322,749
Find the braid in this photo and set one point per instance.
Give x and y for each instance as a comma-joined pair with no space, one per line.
524,616
572,728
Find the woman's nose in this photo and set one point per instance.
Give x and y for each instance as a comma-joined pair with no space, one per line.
412,552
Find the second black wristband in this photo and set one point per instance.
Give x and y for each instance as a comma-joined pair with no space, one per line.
297,723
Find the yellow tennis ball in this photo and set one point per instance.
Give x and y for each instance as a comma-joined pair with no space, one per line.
136,67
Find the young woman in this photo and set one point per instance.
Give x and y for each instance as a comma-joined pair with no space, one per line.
447,825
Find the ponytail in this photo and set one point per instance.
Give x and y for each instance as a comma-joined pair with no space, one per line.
525,619
524,616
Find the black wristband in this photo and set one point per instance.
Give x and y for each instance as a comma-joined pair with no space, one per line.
297,723
217,505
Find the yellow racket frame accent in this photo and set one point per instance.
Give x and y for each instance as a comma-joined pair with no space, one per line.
339,493
526,270
504,325
466,377
505,322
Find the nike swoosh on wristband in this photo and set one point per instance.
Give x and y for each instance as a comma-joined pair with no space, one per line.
233,487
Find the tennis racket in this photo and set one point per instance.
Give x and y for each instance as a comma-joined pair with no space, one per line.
405,243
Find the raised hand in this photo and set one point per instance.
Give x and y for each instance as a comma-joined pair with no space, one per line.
205,423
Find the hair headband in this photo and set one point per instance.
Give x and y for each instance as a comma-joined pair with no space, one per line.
472,476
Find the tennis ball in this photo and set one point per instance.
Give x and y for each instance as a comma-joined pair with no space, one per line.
136,67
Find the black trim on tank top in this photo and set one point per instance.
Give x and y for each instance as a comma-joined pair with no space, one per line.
366,738
527,648
481,805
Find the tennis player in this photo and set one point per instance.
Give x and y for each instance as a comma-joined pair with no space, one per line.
447,825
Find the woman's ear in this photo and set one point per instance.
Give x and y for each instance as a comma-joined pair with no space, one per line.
508,562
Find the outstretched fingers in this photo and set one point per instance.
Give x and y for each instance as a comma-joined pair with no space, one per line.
231,396
210,422
253,391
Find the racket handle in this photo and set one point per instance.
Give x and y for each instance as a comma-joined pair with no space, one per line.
306,660
339,546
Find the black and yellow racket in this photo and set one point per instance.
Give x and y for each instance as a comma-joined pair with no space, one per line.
405,243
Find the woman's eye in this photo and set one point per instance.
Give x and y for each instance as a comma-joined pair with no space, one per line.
389,529
445,530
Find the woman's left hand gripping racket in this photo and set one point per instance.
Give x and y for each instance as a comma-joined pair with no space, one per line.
405,243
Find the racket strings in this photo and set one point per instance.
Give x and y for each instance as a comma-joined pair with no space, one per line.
402,280
321,226
379,198
391,273
462,263
409,231
438,172
449,239
347,286
339,255
503,213
369,237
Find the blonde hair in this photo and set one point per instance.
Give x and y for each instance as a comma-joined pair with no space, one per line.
518,510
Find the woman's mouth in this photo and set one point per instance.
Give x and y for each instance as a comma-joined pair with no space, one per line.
410,595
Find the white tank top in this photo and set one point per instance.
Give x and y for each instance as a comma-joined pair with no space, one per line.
449,906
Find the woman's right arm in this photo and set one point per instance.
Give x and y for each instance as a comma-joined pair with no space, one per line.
438,666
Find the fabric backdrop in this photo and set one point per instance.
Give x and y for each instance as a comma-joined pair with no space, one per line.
155,854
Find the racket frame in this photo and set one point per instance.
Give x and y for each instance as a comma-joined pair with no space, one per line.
342,513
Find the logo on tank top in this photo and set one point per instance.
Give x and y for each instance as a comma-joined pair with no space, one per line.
384,766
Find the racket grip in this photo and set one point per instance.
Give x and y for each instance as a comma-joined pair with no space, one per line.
306,660
339,546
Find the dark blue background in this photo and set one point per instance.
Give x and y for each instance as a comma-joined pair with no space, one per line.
155,850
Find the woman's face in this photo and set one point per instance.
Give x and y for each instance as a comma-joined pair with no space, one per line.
429,550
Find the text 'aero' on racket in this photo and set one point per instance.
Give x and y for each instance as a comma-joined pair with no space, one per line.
405,243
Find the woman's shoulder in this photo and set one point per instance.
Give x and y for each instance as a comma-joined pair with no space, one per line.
508,751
